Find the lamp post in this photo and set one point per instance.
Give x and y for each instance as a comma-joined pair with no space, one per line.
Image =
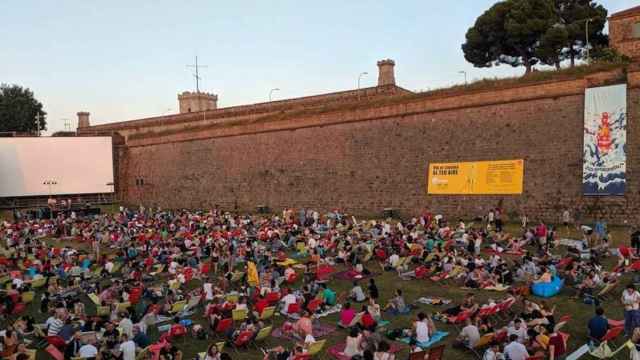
271,92
360,78
586,34
465,75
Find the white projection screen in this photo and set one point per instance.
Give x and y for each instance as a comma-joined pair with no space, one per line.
78,165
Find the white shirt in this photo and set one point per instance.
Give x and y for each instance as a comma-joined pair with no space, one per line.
631,300
521,332
288,300
208,289
87,351
128,349
422,332
127,327
516,351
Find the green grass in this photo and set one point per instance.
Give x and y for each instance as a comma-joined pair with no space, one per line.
387,283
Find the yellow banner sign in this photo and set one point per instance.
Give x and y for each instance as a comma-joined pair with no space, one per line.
499,177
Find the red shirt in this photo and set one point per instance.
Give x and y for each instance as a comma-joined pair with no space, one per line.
558,345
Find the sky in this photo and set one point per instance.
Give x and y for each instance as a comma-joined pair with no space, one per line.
124,60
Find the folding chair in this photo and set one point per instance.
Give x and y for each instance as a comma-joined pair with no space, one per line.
267,313
459,319
314,305
123,306
232,298
262,335
420,355
54,352
563,320
103,311
243,340
28,296
223,326
273,297
177,307
38,283
239,314
612,334
482,342
436,353
293,309
316,347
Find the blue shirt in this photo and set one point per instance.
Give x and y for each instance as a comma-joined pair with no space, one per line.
598,326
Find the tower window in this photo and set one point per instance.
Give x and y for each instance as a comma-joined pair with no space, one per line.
636,30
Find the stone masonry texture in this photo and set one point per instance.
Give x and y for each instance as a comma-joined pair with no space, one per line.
372,156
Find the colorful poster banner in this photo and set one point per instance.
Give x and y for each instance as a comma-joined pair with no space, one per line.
605,140
500,177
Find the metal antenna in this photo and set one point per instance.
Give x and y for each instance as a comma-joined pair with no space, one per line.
197,74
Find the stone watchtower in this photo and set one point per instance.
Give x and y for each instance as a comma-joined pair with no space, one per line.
83,119
386,73
624,32
197,101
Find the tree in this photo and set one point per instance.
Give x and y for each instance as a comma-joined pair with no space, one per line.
573,15
527,32
19,110
508,33
487,39
550,49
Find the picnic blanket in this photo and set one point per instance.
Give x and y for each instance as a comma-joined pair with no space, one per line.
336,350
437,336
331,310
319,331
498,287
433,301
352,275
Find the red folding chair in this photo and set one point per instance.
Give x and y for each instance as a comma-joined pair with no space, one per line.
223,326
243,340
292,278
293,308
54,352
56,341
273,297
612,334
314,305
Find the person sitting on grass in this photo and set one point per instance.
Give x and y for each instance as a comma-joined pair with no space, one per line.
347,315
397,305
421,331
469,336
353,343
515,350
328,296
357,294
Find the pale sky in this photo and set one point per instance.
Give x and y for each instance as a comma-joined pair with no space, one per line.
123,60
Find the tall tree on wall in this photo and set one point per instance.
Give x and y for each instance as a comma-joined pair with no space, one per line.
508,33
573,16
19,110
527,32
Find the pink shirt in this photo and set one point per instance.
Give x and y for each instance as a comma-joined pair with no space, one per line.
346,316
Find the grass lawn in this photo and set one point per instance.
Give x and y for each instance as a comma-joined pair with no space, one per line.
387,283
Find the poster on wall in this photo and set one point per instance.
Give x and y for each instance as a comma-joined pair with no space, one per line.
605,140
500,177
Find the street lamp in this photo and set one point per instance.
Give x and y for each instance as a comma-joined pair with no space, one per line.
586,34
271,92
465,75
360,78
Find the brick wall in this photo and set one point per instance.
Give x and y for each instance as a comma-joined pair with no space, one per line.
364,159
